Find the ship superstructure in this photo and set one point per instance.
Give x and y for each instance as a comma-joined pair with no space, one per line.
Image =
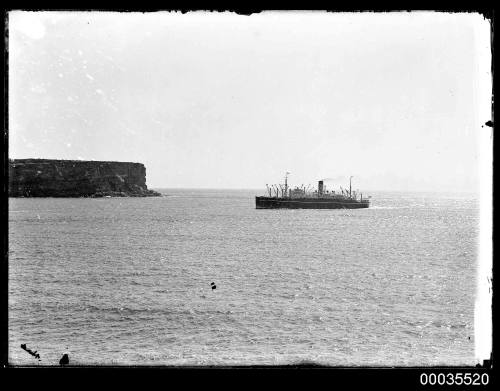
281,196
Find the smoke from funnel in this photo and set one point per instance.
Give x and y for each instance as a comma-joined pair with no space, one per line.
334,179
340,178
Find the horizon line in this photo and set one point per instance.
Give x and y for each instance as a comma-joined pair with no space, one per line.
260,188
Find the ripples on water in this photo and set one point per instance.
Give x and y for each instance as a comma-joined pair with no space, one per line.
127,281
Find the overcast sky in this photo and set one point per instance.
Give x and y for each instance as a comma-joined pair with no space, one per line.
227,101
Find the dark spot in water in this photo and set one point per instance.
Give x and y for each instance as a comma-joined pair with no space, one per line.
213,285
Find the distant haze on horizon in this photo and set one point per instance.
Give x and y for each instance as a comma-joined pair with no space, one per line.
220,100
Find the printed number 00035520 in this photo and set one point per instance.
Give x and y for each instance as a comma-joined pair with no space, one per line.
466,379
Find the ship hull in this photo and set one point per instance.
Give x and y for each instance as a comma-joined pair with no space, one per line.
307,203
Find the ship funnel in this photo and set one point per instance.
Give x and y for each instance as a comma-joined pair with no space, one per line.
320,188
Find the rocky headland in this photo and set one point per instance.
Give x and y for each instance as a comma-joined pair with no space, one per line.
77,178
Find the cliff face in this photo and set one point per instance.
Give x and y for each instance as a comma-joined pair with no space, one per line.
76,178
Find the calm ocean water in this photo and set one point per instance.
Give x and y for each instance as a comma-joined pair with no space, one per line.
127,280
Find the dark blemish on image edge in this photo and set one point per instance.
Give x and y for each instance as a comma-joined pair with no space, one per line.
33,353
488,123
64,360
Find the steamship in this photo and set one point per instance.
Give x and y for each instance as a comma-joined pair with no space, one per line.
281,196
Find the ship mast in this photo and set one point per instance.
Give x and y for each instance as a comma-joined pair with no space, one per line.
350,186
286,183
